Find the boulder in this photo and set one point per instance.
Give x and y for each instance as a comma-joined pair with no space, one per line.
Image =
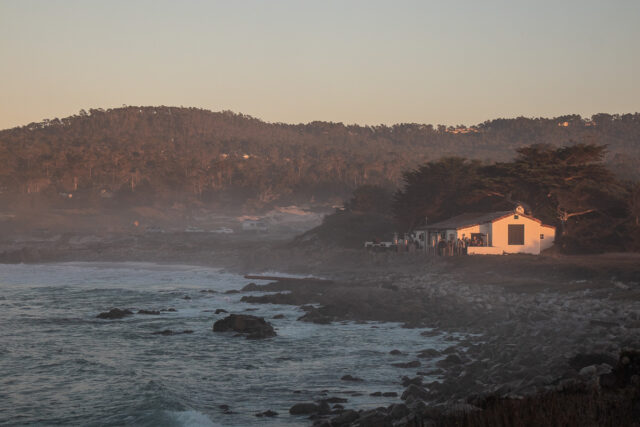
398,411
336,400
155,312
114,313
252,287
345,418
304,408
406,381
267,413
415,392
350,378
251,326
221,310
279,316
428,353
395,352
372,418
450,360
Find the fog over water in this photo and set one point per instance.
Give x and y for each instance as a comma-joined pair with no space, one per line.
59,364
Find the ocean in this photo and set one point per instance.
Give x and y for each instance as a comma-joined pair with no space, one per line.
60,365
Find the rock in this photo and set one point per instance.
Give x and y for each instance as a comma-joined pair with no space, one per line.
156,312
336,400
582,360
170,309
187,331
315,316
324,408
396,352
413,364
114,313
226,409
429,333
304,409
279,316
187,297
251,287
267,413
251,326
428,353
232,291
376,394
350,378
390,394
415,392
372,418
345,418
398,410
406,381
608,380
450,360
220,310
588,371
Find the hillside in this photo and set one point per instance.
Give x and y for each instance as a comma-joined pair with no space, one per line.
135,156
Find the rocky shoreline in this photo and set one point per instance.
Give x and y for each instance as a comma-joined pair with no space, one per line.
522,329
515,345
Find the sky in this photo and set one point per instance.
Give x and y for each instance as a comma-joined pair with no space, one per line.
365,62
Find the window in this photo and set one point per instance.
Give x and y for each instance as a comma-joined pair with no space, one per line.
516,234
516,217
542,237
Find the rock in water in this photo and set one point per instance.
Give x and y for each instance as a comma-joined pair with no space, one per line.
304,409
251,326
350,378
114,313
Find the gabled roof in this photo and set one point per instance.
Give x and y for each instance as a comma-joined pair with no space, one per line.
470,219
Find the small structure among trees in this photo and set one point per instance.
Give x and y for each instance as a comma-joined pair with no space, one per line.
493,233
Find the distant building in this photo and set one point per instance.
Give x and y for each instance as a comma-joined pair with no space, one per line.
493,233
254,225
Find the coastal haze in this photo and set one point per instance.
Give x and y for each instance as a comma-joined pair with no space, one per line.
267,214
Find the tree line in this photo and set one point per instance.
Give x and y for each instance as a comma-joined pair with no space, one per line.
570,187
160,154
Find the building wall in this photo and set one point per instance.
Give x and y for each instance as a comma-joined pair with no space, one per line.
549,236
500,235
466,232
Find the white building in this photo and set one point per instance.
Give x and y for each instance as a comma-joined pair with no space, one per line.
254,225
494,233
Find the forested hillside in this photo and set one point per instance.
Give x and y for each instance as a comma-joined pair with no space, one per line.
144,155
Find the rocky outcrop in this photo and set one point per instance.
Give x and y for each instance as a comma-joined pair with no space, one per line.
350,378
114,313
268,413
304,408
150,312
251,326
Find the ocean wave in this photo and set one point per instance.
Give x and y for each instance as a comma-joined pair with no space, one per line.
191,418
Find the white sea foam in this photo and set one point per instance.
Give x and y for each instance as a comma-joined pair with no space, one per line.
191,418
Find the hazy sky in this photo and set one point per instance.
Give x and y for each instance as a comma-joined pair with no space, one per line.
365,62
